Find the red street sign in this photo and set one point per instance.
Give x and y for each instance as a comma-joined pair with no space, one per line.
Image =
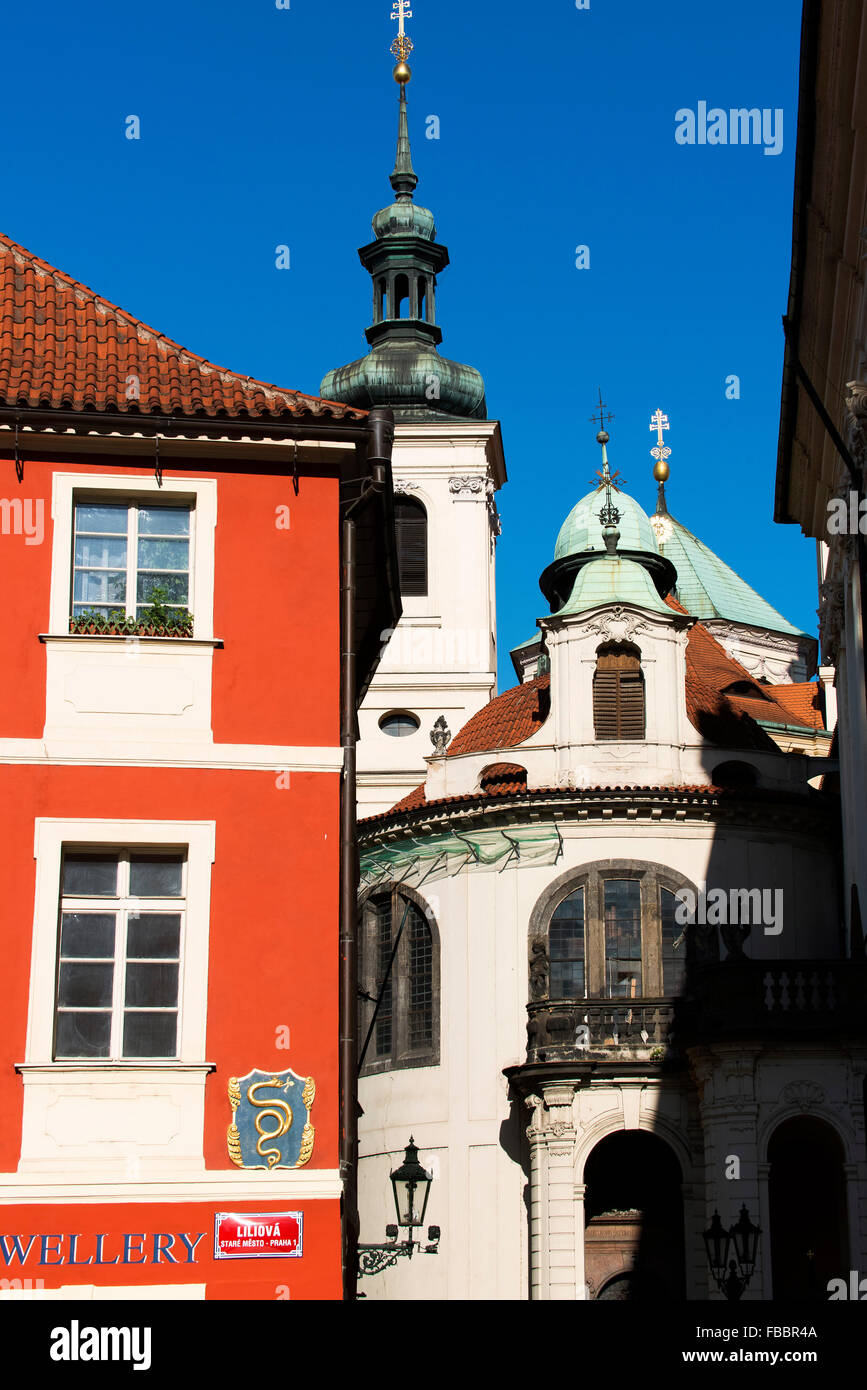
257,1235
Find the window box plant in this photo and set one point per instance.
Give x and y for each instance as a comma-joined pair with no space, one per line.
159,620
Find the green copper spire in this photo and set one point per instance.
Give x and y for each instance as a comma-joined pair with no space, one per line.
403,368
403,176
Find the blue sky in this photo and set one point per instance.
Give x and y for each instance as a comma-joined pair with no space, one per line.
263,127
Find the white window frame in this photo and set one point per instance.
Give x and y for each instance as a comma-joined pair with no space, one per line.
121,906
51,836
131,538
67,488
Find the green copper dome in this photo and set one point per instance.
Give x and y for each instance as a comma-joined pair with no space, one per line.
708,587
403,368
405,219
613,579
582,529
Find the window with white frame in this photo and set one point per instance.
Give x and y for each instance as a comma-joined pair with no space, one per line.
122,914
123,549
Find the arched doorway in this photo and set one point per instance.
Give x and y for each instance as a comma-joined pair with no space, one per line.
807,1203
633,1219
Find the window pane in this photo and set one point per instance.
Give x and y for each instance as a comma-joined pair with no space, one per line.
164,521
101,516
566,948
176,586
101,552
150,1035
420,980
153,934
87,934
99,586
151,985
164,555
83,1035
85,986
622,938
90,875
156,875
673,945
382,938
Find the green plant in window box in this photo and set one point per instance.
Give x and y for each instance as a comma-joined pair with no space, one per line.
160,620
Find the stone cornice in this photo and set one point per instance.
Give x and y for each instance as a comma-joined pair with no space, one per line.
806,813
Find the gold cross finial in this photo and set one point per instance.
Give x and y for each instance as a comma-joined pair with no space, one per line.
660,451
402,46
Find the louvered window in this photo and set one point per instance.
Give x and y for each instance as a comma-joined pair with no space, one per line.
410,522
618,693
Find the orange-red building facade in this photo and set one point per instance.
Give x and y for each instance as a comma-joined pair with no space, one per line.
273,896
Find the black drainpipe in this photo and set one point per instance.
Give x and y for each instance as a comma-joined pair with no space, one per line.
380,441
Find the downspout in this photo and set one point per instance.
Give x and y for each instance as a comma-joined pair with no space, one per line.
380,439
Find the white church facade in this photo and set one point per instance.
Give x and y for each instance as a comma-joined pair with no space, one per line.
602,977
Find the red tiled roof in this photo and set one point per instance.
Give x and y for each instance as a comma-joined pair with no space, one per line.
728,721
63,347
801,699
508,720
709,671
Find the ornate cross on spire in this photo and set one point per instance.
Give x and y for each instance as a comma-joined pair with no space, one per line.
603,413
402,45
659,422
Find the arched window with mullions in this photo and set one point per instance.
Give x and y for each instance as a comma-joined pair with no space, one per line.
398,982
611,931
410,525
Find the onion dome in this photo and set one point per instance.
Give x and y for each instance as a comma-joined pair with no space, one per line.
403,368
606,552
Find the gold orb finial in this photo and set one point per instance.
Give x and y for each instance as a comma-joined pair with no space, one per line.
402,73
661,471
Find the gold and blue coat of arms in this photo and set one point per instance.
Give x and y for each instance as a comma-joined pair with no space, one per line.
270,1119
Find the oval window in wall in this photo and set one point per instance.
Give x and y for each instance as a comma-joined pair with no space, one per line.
398,723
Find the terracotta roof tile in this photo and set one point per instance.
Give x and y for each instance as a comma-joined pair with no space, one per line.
803,700
507,720
63,347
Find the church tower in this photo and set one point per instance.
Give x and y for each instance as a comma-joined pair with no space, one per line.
439,666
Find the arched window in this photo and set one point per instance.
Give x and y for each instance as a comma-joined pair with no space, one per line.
380,299
618,692
614,930
401,295
410,524
398,974
421,290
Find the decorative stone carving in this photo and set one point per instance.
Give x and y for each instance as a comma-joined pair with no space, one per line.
536,1106
539,969
806,1095
618,625
405,485
440,735
493,514
472,485
830,612
856,420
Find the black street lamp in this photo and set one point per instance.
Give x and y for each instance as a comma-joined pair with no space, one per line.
732,1276
411,1186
